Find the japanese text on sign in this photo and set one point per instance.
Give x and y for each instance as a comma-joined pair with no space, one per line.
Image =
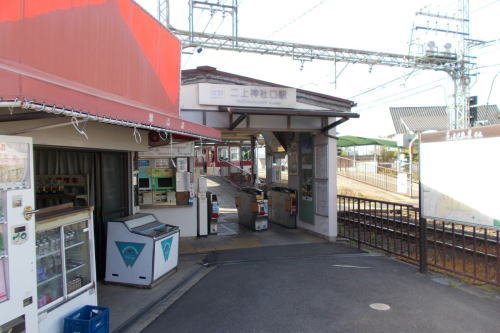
239,95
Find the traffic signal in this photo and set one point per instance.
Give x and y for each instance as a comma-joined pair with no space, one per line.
472,110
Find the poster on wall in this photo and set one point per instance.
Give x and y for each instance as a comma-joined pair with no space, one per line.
306,211
459,175
321,197
321,162
182,164
293,159
14,165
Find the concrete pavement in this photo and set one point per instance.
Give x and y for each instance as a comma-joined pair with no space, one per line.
323,288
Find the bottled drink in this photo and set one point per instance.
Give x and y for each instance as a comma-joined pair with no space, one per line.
2,248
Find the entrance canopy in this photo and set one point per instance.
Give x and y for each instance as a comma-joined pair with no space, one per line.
102,60
241,107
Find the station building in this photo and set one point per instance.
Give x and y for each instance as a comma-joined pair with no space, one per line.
95,105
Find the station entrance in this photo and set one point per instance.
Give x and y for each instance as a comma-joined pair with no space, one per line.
274,139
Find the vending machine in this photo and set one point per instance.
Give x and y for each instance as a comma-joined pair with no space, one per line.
18,289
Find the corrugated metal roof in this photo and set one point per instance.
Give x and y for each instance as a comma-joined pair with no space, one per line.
421,118
105,58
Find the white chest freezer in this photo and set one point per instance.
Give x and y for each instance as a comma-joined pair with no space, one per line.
140,250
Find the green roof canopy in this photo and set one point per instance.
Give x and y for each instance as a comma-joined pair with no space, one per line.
351,141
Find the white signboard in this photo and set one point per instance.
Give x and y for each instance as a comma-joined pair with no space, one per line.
239,95
402,183
185,149
459,172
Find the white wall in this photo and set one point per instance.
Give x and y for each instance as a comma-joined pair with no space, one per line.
101,136
183,217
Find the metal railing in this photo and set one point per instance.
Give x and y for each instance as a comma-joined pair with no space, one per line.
372,174
248,175
464,250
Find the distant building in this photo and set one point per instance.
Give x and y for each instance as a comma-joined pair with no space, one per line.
422,118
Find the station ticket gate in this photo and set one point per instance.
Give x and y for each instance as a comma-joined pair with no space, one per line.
252,208
282,203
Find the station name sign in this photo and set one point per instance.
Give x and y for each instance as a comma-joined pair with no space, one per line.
239,95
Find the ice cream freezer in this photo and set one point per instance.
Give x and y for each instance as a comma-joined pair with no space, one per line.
140,250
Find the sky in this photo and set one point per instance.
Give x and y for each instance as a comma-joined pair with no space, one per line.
383,25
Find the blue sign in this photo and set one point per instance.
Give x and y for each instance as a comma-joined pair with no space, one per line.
143,163
166,245
130,252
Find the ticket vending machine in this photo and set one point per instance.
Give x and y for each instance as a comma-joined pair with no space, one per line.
18,284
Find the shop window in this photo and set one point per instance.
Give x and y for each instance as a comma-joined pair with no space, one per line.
222,154
235,154
246,153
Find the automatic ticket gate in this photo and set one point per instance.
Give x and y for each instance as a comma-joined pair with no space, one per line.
252,208
282,203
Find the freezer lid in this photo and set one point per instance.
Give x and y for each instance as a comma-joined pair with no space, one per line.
146,225
139,220
153,229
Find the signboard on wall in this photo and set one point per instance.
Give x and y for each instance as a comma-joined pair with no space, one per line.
185,149
459,173
239,95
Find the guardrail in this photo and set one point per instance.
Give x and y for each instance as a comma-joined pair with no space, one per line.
372,174
463,250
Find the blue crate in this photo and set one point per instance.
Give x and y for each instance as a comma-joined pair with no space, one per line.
88,319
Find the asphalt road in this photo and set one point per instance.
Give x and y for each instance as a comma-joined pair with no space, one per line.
327,291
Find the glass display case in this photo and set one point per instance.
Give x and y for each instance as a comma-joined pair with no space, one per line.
63,262
3,252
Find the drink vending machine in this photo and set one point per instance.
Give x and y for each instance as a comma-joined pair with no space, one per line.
18,285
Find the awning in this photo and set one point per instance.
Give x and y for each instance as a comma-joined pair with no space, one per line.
289,112
352,141
103,60
246,111
194,130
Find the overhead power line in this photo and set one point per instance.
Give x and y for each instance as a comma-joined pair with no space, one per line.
457,64
297,18
314,52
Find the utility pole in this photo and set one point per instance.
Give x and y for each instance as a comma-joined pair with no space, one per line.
164,12
447,37
223,7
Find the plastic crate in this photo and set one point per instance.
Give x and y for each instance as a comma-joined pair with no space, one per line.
88,319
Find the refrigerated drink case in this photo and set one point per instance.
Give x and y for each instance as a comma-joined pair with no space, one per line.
17,237
65,263
3,253
59,278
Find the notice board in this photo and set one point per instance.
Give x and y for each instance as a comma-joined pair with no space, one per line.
460,175
306,193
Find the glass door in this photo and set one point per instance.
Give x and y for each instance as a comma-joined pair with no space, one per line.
77,256
49,266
